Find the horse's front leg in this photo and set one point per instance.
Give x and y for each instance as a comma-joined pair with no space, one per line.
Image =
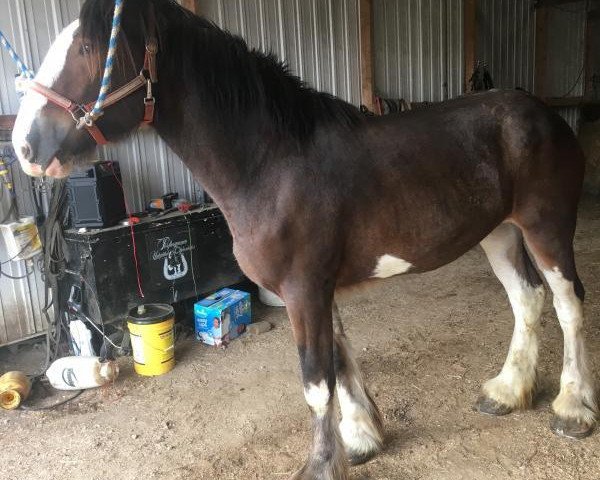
310,316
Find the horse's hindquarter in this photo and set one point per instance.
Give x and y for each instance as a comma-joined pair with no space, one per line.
439,181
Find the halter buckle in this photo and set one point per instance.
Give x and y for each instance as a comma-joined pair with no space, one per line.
78,113
149,100
85,120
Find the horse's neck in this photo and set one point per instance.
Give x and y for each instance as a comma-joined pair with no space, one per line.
218,157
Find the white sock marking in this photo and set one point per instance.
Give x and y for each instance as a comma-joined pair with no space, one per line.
577,394
516,380
317,397
357,429
388,266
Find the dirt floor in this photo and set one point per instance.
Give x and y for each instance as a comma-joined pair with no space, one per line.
425,343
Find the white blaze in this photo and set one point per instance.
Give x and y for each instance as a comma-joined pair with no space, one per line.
32,102
388,266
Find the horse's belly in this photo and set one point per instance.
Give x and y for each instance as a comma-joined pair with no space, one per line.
418,249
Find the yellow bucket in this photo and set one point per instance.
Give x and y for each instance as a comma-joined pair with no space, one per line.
14,388
152,339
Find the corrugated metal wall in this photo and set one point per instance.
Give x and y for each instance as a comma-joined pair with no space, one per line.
317,38
418,49
566,56
566,51
506,41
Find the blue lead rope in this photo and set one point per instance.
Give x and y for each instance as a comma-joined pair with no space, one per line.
23,70
108,66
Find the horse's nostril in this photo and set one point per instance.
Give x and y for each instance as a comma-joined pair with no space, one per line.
26,151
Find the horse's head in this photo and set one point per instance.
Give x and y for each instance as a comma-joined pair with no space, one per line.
45,136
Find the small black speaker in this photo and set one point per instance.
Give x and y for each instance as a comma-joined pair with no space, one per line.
95,196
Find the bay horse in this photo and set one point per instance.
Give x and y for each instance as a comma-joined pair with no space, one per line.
319,197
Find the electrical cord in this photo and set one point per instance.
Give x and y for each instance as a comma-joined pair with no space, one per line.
11,277
32,408
189,228
132,232
27,274
50,236
13,258
54,405
574,84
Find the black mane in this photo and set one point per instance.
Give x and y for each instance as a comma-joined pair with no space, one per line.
232,79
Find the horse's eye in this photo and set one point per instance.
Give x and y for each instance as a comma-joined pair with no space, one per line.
84,49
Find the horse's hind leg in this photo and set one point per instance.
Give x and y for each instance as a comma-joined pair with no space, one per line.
551,243
361,426
514,386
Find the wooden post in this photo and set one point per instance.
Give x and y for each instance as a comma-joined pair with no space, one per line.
470,40
366,54
541,51
190,5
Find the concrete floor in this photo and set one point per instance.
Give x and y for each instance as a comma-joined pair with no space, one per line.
425,343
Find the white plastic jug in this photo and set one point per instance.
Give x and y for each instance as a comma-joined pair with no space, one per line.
77,373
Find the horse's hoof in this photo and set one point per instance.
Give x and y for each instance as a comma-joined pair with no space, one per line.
571,427
305,474
359,458
489,406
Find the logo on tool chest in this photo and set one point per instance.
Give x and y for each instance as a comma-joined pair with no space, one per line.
171,252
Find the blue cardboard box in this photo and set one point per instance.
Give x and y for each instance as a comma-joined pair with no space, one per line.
222,316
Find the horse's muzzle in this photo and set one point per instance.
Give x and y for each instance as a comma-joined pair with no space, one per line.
36,145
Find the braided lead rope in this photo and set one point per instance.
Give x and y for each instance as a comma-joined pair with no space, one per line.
89,118
24,71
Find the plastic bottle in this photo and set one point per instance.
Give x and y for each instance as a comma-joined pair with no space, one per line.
82,339
14,388
77,373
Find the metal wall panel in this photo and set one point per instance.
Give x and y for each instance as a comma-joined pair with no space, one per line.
506,41
318,39
572,116
566,51
418,49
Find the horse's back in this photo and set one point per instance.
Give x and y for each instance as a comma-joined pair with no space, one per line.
435,182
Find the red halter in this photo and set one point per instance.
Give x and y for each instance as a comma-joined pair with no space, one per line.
147,77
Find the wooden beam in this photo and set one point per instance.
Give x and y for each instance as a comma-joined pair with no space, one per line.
7,122
541,51
190,5
470,40
367,71
563,101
